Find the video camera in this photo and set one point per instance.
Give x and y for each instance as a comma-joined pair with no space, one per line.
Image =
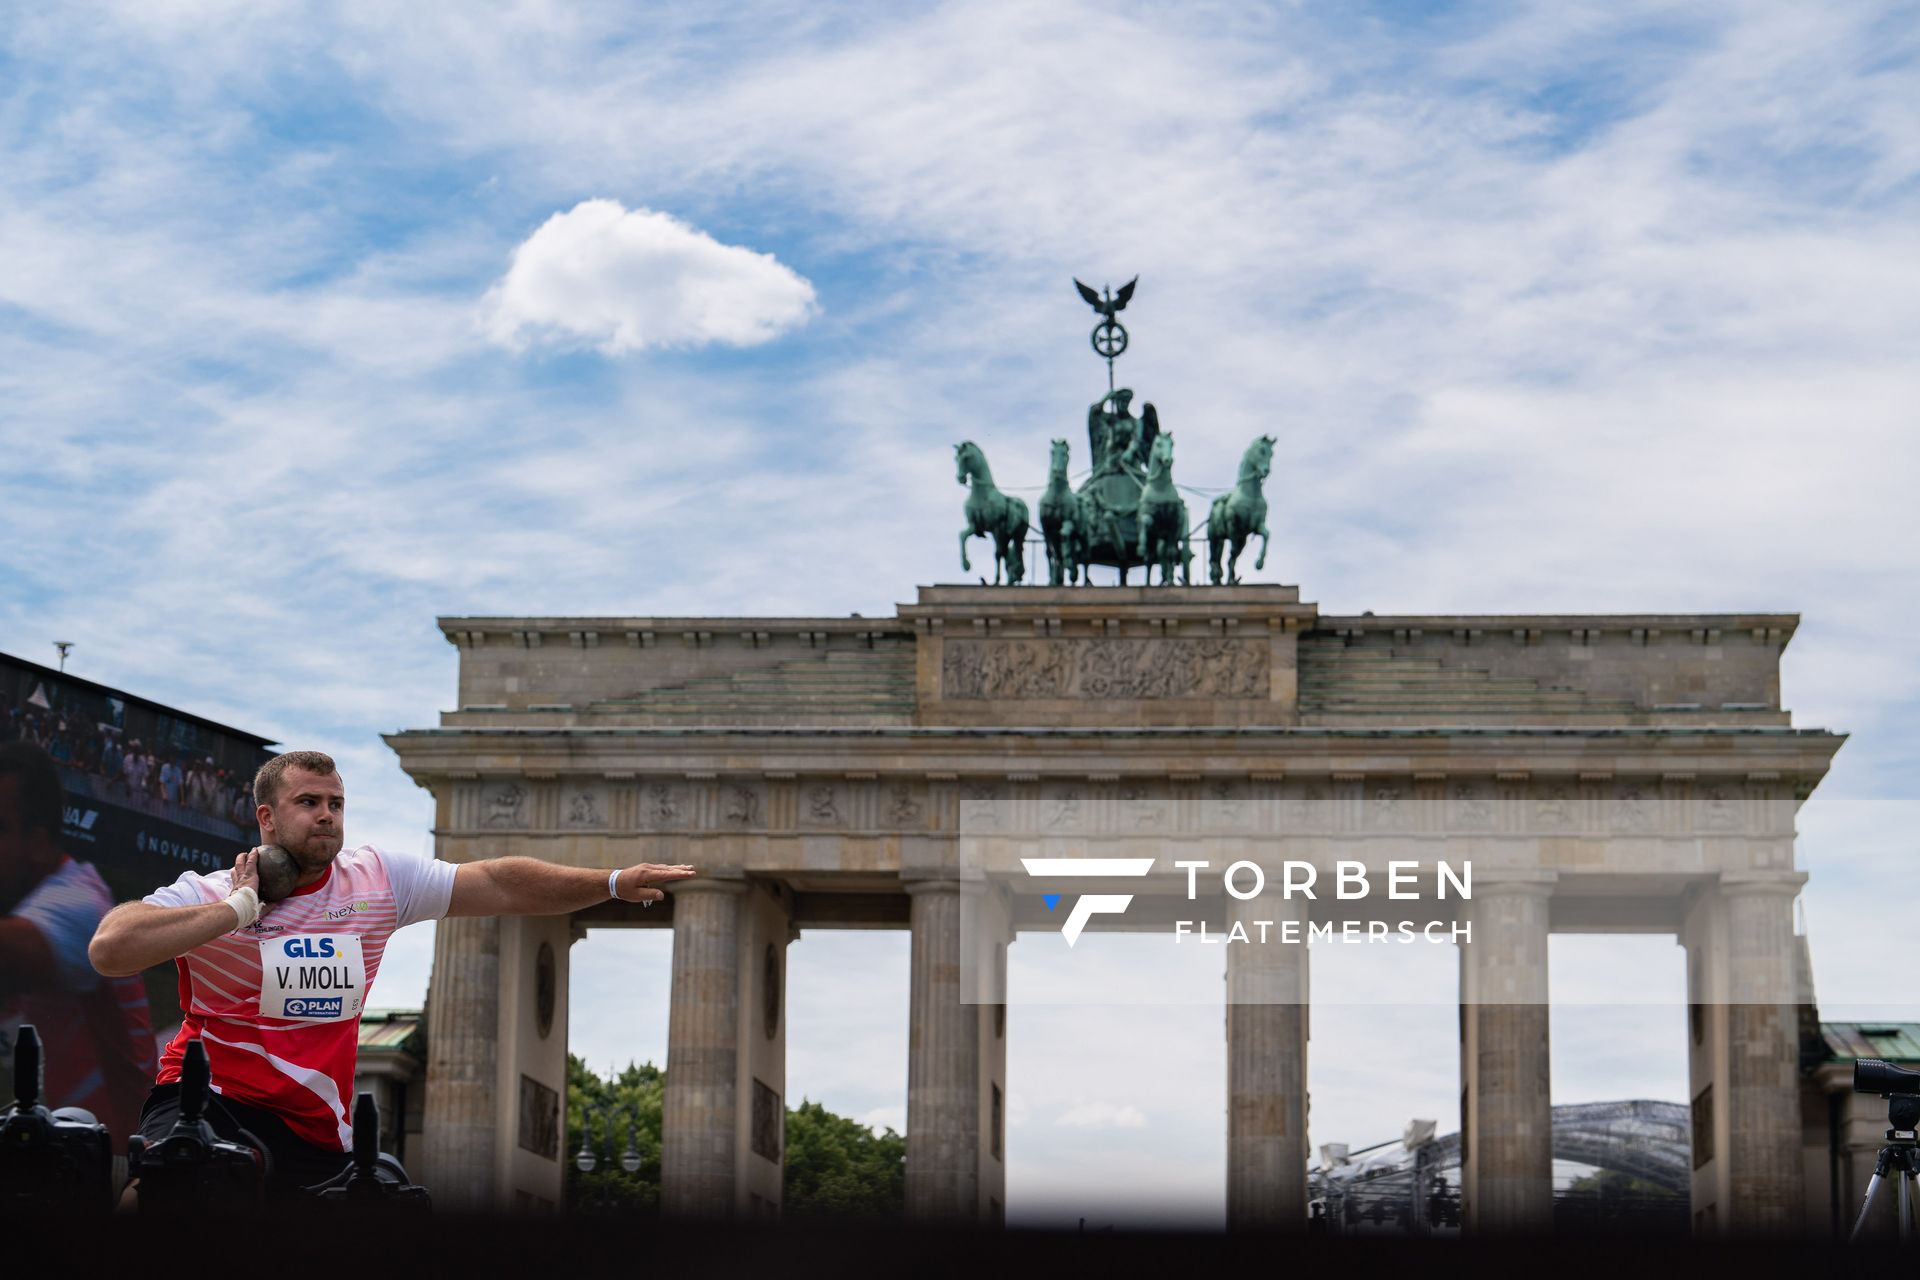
1900,1158
1900,1087
193,1169
60,1160
1872,1075
375,1180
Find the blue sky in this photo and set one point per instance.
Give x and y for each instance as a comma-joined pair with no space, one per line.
1550,307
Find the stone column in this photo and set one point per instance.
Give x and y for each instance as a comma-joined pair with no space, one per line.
700,1122
992,921
463,1044
948,1138
530,1091
1506,1121
1748,1174
1763,1058
765,928
1267,1068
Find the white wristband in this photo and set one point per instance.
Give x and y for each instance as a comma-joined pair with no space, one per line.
612,876
246,905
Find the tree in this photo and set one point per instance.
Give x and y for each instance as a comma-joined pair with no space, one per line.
838,1167
835,1167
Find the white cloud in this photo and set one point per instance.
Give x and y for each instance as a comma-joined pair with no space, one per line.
626,280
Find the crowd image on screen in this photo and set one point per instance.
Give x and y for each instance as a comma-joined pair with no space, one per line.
168,766
132,768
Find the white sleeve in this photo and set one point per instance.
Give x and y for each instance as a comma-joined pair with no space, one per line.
422,887
66,914
191,890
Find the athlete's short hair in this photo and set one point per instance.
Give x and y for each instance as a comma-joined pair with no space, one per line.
40,804
266,783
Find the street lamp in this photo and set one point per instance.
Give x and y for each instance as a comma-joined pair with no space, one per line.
585,1159
630,1161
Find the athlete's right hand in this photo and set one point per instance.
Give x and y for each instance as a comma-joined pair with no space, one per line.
246,870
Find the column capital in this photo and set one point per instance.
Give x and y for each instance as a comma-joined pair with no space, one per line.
1272,904
1516,882
708,884
1786,884
931,884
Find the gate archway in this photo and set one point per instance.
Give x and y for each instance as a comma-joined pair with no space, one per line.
1626,773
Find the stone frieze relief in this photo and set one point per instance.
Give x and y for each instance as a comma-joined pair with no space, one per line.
1105,668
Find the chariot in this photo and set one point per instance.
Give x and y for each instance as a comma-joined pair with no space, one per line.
1128,513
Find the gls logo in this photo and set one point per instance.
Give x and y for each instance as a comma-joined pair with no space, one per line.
1092,904
309,948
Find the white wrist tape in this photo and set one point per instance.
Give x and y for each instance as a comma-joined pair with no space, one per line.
246,905
613,875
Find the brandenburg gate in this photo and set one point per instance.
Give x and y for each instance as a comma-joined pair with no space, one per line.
1604,773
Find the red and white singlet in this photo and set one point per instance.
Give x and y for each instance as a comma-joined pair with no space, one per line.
278,1004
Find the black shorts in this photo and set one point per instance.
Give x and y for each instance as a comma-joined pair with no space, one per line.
292,1161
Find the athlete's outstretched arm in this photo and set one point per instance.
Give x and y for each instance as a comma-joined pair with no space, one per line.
530,887
138,935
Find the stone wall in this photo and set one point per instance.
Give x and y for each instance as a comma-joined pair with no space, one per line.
516,665
1710,661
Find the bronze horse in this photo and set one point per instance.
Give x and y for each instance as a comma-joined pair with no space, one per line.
991,514
1162,538
1237,516
1067,522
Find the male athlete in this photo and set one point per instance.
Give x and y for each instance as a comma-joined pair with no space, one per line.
275,991
95,1034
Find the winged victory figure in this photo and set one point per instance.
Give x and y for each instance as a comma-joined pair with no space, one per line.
1107,307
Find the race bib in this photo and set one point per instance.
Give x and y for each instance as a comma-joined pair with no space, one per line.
312,977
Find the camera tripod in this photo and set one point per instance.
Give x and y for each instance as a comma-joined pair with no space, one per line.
1900,1157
